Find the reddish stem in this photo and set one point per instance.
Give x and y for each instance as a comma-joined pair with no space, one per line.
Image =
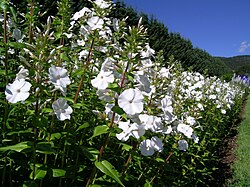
84,68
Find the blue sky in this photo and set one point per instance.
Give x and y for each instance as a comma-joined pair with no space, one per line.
221,27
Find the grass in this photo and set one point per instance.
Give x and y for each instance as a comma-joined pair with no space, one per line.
241,166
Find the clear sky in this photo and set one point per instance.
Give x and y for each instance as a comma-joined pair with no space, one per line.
221,27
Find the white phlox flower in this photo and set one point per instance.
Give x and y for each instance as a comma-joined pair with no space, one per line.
115,24
80,14
168,117
1,18
102,4
23,73
95,22
154,123
147,63
84,31
148,147
166,104
164,72
11,51
167,130
223,111
183,145
143,83
129,129
157,143
190,120
146,120
68,35
126,131
58,77
17,34
105,33
109,113
103,79
212,97
200,106
80,42
104,95
148,53
137,130
17,91
108,64
62,109
195,138
131,101
83,54
185,129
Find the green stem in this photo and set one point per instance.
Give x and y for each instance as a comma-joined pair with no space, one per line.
4,171
84,68
31,21
93,172
106,141
11,173
63,160
6,71
34,153
6,46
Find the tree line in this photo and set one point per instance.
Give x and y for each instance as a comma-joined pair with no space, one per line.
160,38
173,44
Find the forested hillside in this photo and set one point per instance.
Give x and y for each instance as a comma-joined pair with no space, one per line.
238,64
160,38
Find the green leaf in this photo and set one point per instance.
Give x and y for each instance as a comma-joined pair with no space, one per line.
90,153
85,125
160,160
4,5
18,132
126,147
100,130
77,72
17,45
115,87
47,110
18,147
118,110
109,170
147,184
45,148
39,174
29,184
55,136
2,72
69,99
13,12
58,172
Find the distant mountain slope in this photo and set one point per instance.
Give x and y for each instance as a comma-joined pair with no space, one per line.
239,64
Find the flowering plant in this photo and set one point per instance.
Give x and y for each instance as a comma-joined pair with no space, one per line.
94,104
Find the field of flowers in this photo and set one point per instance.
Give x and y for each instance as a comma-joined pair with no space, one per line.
85,101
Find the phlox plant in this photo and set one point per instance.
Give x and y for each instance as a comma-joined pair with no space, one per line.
86,101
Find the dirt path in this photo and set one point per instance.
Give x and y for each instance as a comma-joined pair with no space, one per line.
227,152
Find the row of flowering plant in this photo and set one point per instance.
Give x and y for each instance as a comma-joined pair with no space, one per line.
241,79
87,101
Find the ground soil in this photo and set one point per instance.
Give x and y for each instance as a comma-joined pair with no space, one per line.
227,153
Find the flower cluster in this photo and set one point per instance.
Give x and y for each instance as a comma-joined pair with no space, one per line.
241,79
155,102
19,89
153,98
